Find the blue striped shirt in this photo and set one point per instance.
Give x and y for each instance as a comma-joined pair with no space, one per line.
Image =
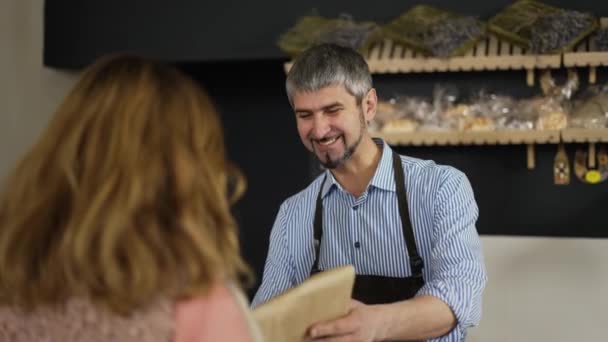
443,213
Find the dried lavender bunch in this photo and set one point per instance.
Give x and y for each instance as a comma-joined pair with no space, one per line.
349,35
446,36
555,31
601,39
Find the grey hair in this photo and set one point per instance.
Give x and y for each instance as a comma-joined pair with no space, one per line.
328,64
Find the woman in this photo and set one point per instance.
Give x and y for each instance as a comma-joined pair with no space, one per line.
116,225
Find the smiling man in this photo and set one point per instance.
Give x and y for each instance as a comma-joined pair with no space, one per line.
406,225
324,130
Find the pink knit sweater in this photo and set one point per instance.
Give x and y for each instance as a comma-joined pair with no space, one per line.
219,316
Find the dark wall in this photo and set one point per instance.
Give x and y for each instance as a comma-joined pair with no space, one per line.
229,46
513,200
262,139
78,31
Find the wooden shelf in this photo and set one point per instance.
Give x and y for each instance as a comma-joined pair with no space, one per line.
584,135
528,138
586,59
431,138
490,53
586,54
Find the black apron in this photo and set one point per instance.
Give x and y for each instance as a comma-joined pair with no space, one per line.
371,289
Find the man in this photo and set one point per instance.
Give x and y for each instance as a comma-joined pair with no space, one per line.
407,225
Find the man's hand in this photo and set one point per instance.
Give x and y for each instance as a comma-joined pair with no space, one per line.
361,324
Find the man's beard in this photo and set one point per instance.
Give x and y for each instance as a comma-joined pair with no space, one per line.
349,150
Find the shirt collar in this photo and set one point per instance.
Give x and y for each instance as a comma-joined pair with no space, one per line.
383,177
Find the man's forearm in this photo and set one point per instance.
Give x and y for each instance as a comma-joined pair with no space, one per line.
419,318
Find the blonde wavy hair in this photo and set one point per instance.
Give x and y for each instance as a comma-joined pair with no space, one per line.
124,197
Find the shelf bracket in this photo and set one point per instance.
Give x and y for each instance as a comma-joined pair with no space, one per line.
591,159
530,77
592,75
531,159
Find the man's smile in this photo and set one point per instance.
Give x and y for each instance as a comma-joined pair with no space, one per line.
326,143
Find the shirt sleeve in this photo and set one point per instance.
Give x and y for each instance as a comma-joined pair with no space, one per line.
279,272
457,272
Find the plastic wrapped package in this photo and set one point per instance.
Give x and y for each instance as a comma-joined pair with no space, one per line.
405,114
411,113
522,118
524,115
478,124
419,111
553,110
401,125
386,112
479,115
591,109
552,115
563,92
500,105
395,116
478,118
432,115
467,117
501,110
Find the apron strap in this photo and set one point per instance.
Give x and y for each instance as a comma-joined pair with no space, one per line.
416,263
318,226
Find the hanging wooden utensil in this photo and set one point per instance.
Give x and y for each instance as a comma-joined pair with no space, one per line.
561,167
588,171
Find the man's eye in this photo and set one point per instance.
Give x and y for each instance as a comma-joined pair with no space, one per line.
334,110
303,115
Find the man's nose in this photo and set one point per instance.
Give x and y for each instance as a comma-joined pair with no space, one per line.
320,127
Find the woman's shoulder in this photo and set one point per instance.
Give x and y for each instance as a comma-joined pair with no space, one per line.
220,315
82,320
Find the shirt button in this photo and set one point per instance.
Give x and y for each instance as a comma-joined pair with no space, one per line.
355,207
357,244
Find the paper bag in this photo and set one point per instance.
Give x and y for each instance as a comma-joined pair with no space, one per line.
324,296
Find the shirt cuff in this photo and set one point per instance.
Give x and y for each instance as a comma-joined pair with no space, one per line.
456,299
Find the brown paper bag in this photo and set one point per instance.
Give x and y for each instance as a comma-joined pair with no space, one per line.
322,297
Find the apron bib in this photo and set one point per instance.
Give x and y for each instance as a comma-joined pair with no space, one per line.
372,289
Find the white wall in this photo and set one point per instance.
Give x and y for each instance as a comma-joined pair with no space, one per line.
28,92
544,289
540,289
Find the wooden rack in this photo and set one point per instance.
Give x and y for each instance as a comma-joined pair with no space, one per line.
429,138
514,137
490,53
585,55
523,137
584,135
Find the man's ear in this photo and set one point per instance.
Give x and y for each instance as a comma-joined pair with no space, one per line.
370,105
